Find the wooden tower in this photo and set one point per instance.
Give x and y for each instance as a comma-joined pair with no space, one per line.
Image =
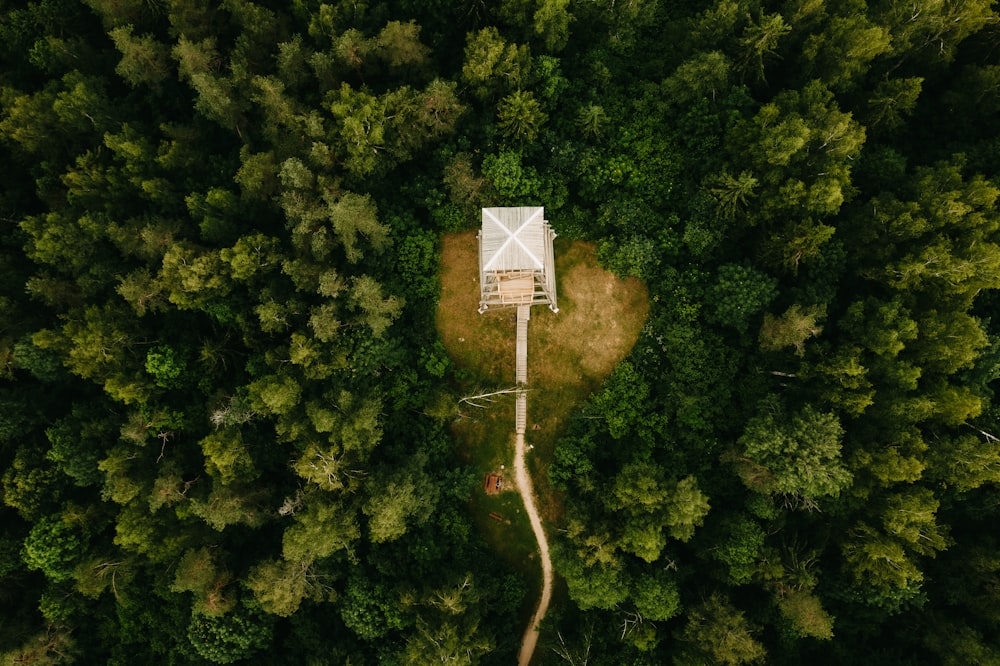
516,264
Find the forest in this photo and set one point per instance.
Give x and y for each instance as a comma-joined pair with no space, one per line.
226,413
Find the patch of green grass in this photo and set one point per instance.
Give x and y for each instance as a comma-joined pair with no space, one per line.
511,538
486,444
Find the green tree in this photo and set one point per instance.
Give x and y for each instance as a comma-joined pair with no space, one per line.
791,329
686,507
800,147
901,458
797,455
398,499
144,60
31,484
142,291
911,517
947,343
76,448
621,399
166,366
521,117
275,394
198,572
704,75
892,101
257,175
218,99
227,457
400,46
51,647
324,527
195,278
552,20
252,255
596,584
800,242
732,192
376,311
59,240
43,364
805,613
363,128
956,643
844,381
759,42
232,637
639,487
844,50
446,642
492,65
965,462
739,546
280,586
354,216
465,187
53,547
951,217
718,633
370,610
931,30
65,113
739,293
884,573
328,467
510,177
639,492
884,328
231,504
592,120
279,109
656,597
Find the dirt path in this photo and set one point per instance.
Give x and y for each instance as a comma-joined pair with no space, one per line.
524,486
600,319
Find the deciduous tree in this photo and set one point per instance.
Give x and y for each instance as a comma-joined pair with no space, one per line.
797,455
740,292
791,329
144,60
717,632
53,547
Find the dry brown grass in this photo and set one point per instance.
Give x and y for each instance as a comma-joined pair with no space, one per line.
600,317
599,320
482,344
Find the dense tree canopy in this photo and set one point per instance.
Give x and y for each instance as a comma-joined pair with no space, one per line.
222,436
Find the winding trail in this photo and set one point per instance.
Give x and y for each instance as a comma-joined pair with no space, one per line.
523,481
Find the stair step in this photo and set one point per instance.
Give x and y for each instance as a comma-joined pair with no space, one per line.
521,420
521,356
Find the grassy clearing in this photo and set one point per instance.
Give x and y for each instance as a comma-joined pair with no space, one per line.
569,354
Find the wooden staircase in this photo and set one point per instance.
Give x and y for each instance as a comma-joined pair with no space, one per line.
521,420
523,315
521,367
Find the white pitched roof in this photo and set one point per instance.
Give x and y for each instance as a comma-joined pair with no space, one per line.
513,239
